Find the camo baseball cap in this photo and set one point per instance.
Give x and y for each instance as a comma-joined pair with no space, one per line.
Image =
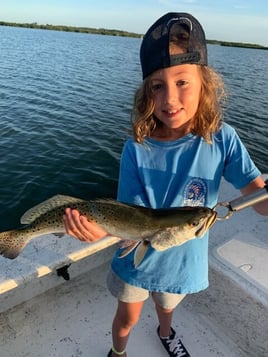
174,28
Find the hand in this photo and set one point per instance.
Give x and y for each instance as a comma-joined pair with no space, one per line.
79,227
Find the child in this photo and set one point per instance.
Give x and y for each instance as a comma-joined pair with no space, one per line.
180,151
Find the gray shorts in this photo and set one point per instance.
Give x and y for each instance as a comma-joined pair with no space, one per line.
129,293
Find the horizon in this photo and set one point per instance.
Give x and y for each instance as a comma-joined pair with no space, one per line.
27,25
232,21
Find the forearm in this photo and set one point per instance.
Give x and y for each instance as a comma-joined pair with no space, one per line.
254,186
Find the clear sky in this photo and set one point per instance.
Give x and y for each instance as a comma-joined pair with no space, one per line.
229,20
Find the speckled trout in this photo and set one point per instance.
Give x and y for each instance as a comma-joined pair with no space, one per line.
161,228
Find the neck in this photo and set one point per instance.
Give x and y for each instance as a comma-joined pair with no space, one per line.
164,133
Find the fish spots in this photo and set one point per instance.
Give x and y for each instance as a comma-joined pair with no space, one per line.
162,229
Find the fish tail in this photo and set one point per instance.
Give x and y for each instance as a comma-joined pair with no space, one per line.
11,244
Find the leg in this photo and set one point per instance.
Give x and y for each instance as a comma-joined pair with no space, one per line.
165,304
127,313
126,317
165,319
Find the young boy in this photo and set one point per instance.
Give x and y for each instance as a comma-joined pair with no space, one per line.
178,154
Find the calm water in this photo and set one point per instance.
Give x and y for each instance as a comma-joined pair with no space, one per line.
65,104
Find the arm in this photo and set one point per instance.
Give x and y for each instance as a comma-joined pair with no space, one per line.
239,168
262,207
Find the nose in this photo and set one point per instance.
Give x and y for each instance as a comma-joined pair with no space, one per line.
171,95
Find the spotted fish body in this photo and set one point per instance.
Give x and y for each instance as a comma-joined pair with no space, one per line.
162,228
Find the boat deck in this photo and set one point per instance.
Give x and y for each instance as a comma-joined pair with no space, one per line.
41,314
74,319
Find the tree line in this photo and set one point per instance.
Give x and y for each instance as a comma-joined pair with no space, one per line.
90,30
112,32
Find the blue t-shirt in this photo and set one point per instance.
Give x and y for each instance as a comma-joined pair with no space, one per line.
184,172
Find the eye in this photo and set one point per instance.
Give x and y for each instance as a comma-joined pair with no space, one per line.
182,83
156,87
195,223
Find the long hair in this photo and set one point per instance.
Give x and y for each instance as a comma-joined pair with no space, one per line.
208,117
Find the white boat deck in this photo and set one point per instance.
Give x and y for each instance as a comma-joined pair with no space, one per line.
43,315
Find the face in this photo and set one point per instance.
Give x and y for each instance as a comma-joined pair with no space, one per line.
176,92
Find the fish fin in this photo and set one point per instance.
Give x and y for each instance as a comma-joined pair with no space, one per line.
140,253
10,247
127,243
59,235
128,249
53,202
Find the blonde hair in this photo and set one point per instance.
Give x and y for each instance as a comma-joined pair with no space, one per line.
208,117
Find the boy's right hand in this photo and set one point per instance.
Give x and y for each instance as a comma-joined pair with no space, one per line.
79,227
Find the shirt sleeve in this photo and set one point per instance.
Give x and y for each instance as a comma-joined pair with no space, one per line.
130,187
239,168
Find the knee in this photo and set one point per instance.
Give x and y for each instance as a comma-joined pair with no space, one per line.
127,320
162,309
128,315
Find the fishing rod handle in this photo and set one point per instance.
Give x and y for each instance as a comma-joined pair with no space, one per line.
249,200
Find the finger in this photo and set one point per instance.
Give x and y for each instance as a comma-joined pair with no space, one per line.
81,228
72,225
93,229
78,225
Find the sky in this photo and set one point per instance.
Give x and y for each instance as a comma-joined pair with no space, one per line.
227,20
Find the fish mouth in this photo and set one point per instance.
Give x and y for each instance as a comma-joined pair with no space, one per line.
207,224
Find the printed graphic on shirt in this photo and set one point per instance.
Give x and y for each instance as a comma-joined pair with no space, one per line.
195,192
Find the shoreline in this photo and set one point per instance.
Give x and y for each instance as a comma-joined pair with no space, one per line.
114,32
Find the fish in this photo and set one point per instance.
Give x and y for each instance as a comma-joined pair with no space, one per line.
142,226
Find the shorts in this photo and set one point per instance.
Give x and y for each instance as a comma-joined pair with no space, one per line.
130,293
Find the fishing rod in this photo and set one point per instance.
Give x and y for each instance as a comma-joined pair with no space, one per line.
242,202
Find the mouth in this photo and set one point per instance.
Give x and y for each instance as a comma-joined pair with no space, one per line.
207,224
171,112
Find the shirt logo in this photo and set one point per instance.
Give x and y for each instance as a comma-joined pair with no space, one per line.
195,193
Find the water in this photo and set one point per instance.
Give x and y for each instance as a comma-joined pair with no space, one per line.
245,72
65,105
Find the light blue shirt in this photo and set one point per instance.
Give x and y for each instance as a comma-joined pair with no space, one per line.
184,172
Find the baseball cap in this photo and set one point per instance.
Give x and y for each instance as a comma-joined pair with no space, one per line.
178,28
